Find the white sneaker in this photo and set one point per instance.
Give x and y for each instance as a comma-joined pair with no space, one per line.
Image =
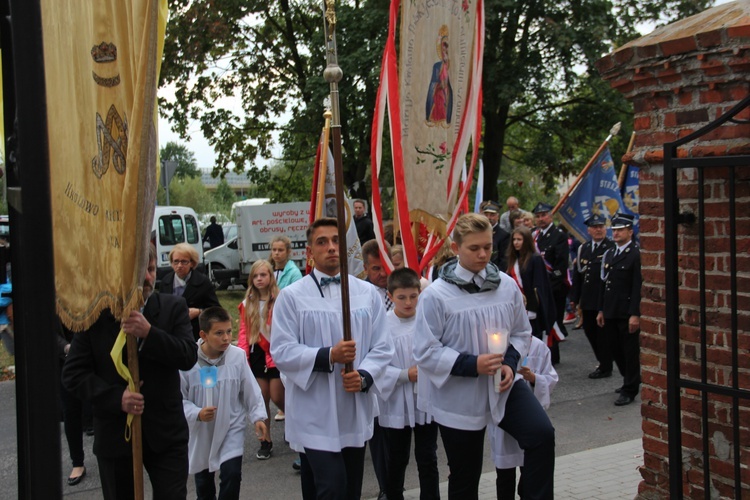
279,416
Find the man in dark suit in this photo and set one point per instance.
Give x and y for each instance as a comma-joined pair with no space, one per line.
553,245
587,289
214,234
190,284
500,237
166,346
619,306
362,222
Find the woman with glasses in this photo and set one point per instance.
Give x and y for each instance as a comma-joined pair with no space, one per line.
189,283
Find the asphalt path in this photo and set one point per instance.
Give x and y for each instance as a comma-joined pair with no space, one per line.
582,412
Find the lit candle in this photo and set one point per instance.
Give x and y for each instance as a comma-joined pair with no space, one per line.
208,380
497,343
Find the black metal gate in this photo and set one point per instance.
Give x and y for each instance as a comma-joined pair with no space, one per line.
703,332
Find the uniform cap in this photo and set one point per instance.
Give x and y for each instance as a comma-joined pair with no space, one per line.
622,221
542,207
596,220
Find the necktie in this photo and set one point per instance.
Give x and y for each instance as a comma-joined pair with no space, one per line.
388,303
179,290
617,253
325,281
593,247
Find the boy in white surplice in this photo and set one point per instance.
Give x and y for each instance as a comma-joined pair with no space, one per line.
329,413
217,407
471,303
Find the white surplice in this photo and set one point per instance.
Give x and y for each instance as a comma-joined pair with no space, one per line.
238,402
398,399
505,450
320,415
452,321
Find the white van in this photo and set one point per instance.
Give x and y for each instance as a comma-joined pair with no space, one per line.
173,225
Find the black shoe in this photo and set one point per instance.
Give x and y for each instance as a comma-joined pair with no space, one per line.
72,481
264,452
297,464
623,400
618,390
381,496
89,431
600,374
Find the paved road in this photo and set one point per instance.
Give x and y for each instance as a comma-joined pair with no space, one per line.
582,412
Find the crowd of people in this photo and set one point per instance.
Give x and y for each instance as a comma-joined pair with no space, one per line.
467,349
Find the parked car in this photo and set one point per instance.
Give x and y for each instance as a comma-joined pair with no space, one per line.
173,225
221,258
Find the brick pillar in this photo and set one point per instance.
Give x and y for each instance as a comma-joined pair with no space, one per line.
680,78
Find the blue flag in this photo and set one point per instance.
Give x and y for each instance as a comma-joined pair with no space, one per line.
597,193
630,196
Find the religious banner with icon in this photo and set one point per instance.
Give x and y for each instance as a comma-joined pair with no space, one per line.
433,95
102,62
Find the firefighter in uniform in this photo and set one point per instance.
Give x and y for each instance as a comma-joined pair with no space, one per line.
587,288
619,306
552,243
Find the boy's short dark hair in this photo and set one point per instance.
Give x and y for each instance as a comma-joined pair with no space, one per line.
212,315
322,222
403,278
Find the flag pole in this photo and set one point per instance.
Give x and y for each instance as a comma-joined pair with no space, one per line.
624,168
613,131
333,75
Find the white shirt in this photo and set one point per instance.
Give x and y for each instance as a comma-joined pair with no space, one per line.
506,453
319,414
398,399
451,321
238,400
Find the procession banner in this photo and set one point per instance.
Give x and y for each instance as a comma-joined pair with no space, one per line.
326,195
102,62
597,193
630,195
433,97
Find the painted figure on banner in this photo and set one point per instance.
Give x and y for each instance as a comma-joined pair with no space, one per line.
439,106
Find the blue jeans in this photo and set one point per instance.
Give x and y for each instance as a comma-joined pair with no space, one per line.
230,477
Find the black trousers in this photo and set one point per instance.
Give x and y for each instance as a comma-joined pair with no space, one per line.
626,352
425,453
379,454
167,471
527,422
73,425
560,295
595,335
328,475
505,484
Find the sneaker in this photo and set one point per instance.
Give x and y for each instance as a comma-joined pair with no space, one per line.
264,452
570,318
279,416
297,464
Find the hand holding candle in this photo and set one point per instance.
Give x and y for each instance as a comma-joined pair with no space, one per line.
497,343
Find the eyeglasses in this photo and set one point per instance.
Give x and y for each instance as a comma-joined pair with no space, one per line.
181,262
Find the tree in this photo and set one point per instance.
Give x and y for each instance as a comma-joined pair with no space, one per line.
224,196
539,78
540,89
189,192
187,166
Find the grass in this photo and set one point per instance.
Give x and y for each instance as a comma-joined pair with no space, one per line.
229,300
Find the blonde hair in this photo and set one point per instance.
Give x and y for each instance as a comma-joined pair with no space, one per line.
254,317
287,243
444,254
188,250
469,224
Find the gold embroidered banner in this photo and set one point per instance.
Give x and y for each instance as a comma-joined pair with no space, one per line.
102,61
435,70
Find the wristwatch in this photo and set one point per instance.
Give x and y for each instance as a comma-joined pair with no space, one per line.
363,383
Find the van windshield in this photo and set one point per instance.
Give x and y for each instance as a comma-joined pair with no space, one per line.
171,230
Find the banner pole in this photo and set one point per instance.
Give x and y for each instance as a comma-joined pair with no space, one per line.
624,168
333,76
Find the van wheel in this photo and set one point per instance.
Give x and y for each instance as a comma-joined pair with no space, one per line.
219,285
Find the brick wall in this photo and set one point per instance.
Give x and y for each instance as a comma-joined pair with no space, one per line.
678,83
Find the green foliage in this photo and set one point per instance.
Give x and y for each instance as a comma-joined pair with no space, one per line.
187,166
224,196
190,192
250,73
